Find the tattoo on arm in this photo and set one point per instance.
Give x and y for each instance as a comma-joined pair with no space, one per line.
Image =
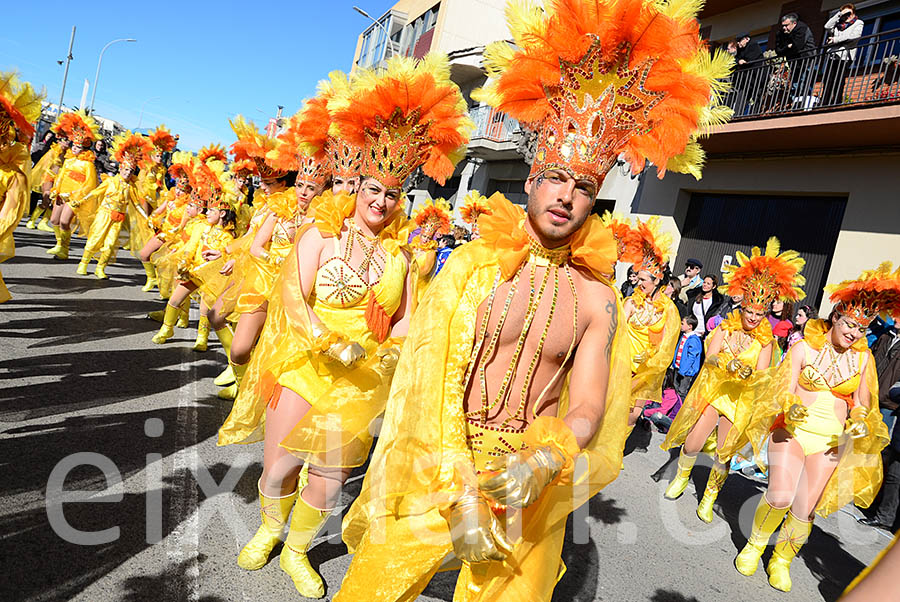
613,324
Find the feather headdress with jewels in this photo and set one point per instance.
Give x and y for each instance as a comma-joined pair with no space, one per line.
242,168
212,152
765,276
20,107
292,154
600,78
131,149
474,205
647,247
876,292
407,116
183,164
79,127
619,226
317,132
253,145
163,139
433,217
209,181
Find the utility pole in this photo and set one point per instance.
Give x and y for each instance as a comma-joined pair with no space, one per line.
66,73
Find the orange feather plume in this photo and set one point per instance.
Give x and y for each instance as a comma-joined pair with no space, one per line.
765,276
212,152
875,292
163,139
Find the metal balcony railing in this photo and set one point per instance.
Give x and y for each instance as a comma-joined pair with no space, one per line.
830,78
491,124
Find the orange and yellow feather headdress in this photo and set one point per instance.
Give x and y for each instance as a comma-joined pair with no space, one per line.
647,247
318,133
212,152
407,116
242,167
208,180
433,217
600,78
876,292
619,226
20,107
163,139
765,276
474,204
293,154
79,127
183,164
131,149
253,145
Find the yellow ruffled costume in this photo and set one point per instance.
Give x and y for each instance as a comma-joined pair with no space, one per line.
337,430
656,340
74,182
423,460
15,167
112,200
731,396
47,167
859,474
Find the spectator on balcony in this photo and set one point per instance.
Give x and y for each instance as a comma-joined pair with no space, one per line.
795,42
842,32
748,52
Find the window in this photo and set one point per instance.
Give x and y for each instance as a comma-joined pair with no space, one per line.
513,190
374,42
413,32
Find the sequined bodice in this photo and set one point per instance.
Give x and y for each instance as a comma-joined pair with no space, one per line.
339,285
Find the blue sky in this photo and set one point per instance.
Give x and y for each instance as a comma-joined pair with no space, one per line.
195,64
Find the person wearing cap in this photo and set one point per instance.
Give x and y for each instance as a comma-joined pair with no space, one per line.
690,279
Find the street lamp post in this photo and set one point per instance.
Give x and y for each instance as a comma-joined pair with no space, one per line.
99,62
388,42
143,106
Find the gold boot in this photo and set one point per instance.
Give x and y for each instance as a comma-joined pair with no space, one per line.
227,376
717,475
34,217
152,281
231,391
65,237
44,225
202,334
305,523
794,533
765,520
82,267
184,318
55,249
678,484
167,330
273,513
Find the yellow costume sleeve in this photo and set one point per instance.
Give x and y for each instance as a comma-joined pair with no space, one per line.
86,207
41,167
648,379
15,162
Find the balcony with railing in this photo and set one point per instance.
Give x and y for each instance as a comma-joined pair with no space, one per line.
493,135
835,97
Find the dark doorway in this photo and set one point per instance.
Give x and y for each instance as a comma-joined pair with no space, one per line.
718,225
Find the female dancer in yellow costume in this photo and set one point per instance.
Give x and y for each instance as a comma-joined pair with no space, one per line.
204,237
42,176
168,218
19,108
320,374
433,221
737,370
152,191
824,442
652,319
271,238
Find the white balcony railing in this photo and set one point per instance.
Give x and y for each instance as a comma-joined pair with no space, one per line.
491,124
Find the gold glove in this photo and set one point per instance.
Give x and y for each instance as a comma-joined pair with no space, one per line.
745,371
796,414
855,426
640,357
389,358
734,366
713,360
336,347
475,531
525,476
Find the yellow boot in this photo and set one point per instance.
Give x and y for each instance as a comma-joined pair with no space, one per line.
717,476
100,272
184,319
231,391
157,315
273,513
794,533
82,267
44,225
34,217
765,520
55,249
678,484
305,523
167,330
152,281
65,237
202,334
227,376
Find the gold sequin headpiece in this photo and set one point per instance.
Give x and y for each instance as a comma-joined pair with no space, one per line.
764,277
876,292
602,78
292,154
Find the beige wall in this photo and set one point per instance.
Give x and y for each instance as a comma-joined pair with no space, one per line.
870,230
754,17
469,23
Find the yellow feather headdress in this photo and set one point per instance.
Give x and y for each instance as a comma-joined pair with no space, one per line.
876,292
253,145
131,149
765,276
20,107
433,217
79,127
474,205
600,78
647,247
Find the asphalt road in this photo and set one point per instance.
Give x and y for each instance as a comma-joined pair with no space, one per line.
89,404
